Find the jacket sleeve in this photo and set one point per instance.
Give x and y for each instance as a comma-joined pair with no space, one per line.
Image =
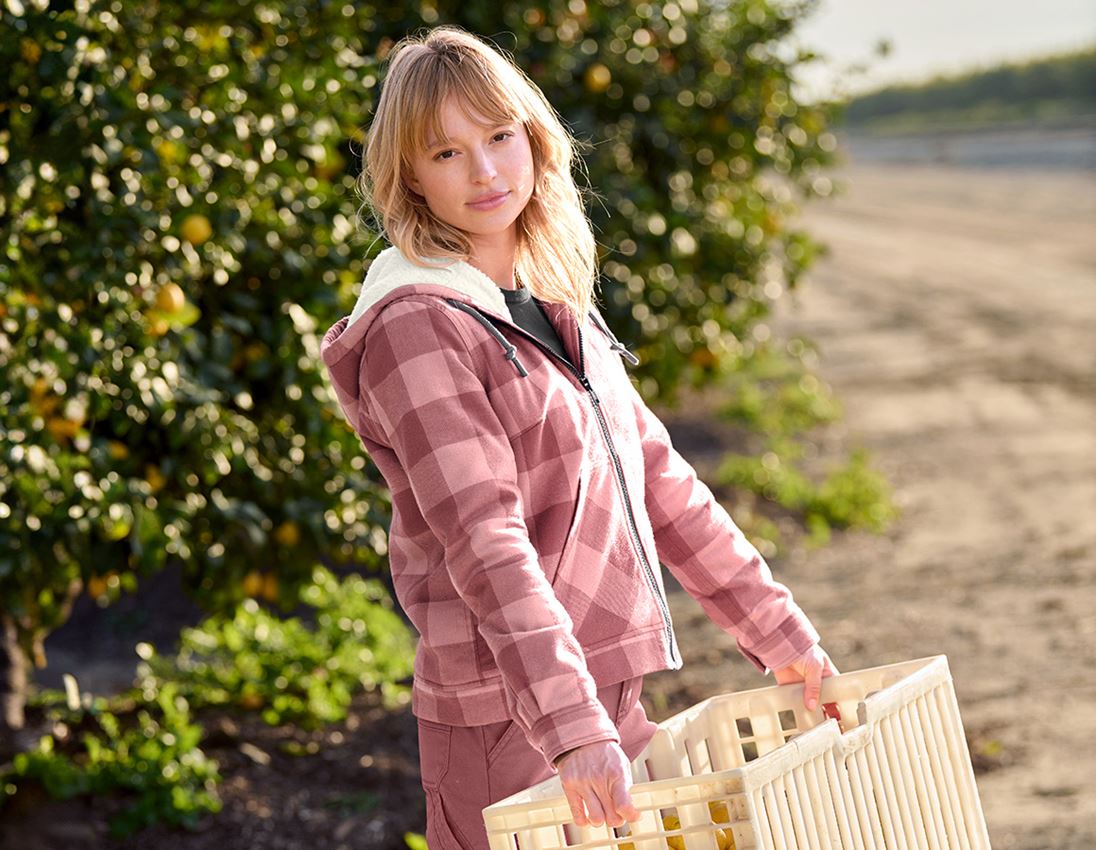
422,390
711,557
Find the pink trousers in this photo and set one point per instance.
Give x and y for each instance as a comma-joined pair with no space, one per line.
465,768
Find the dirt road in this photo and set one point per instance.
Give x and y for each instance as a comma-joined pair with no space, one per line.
957,323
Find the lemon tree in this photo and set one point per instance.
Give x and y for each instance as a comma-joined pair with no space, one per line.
176,205
178,224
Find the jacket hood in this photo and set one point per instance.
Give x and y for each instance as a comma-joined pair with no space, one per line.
392,275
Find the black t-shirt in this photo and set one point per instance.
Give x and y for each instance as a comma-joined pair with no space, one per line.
528,315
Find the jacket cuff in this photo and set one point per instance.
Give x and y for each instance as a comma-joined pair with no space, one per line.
557,733
785,645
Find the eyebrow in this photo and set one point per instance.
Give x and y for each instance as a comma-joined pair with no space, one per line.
431,145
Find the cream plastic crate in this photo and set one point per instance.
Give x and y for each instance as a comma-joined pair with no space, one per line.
881,765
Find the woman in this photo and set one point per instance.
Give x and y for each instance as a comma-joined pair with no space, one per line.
533,492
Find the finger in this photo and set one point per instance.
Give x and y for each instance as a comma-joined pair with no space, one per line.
595,804
574,800
622,802
813,689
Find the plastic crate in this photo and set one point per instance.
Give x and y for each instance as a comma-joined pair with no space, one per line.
882,765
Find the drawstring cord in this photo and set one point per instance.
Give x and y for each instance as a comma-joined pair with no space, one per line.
511,352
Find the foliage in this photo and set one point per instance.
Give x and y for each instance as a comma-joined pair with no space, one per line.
1062,86
415,840
849,496
174,211
774,391
152,756
144,741
775,394
292,671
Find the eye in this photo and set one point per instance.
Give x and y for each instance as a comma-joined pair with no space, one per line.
441,157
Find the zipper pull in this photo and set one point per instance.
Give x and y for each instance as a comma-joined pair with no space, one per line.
590,390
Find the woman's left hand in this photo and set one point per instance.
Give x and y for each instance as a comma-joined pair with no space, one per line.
811,668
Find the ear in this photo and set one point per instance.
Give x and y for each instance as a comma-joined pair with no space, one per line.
413,182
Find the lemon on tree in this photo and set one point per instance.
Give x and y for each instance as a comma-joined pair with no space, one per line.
597,77
196,229
170,298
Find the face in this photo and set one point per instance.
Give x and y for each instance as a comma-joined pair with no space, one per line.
479,161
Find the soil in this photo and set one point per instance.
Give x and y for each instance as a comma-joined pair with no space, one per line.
955,319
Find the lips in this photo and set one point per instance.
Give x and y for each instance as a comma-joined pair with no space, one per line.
489,201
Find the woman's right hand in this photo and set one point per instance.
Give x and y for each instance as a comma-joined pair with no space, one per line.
596,778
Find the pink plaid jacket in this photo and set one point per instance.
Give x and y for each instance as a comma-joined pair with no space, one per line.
532,504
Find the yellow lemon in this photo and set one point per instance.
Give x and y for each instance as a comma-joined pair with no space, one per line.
597,77
170,298
96,587
288,534
718,810
253,584
196,229
62,428
724,839
168,151
270,587
674,842
154,477
30,50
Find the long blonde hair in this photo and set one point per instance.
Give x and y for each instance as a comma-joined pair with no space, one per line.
556,250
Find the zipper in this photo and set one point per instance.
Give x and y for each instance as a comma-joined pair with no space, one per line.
580,374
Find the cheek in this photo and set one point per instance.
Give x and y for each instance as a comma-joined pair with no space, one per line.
524,168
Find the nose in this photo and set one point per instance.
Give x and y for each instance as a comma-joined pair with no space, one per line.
483,167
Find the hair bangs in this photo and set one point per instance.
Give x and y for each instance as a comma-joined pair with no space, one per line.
477,90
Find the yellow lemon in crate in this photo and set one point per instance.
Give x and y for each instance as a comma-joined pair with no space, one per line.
674,842
724,839
718,811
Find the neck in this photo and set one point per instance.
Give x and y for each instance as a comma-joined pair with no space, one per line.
496,259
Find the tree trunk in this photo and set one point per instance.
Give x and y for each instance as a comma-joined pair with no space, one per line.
13,688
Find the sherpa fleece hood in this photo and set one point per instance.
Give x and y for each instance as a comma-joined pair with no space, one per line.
532,504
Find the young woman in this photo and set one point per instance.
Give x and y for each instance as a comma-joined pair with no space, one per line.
534,494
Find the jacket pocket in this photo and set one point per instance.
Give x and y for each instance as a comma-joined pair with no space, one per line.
570,541
521,403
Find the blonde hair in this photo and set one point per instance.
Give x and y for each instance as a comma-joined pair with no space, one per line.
556,250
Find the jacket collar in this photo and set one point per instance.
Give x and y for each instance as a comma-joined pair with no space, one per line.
391,269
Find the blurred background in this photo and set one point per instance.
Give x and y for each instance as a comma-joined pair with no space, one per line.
851,244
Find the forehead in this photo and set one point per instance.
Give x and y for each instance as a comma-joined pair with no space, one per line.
456,120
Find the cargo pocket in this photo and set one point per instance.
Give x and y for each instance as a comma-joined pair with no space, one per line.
435,743
439,832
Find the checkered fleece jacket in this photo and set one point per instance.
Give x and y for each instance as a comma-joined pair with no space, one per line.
532,507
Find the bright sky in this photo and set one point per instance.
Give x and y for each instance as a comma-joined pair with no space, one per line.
934,36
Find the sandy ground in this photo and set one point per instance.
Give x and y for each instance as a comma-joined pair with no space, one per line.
956,318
